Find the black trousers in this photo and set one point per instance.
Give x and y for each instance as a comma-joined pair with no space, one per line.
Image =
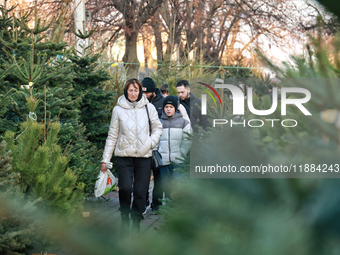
157,193
133,175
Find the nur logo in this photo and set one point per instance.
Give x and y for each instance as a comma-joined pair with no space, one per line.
239,102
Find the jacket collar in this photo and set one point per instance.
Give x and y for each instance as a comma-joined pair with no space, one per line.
124,103
191,98
158,96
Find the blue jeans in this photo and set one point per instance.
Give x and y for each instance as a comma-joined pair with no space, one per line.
168,175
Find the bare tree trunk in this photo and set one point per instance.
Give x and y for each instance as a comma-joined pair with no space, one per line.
147,53
130,56
158,38
136,13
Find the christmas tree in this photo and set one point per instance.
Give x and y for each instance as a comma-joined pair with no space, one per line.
33,60
43,166
89,80
37,177
88,83
14,234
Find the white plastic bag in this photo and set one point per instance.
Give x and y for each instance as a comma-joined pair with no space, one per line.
106,182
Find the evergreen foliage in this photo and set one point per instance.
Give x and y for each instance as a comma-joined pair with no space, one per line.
320,62
5,102
116,84
42,166
88,83
73,96
266,216
229,216
89,80
15,234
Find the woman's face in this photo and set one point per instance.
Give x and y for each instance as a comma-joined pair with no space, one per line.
133,92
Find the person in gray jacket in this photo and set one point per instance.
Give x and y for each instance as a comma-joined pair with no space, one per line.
165,91
174,144
129,139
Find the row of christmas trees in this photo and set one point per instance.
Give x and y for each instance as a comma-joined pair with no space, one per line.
73,84
54,116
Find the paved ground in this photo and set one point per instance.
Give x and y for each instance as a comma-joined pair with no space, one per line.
99,210
151,221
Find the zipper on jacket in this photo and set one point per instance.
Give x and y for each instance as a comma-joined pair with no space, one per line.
169,142
135,116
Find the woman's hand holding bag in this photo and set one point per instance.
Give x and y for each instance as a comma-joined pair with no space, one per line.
106,181
103,168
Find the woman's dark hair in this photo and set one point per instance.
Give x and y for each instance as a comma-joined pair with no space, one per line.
133,81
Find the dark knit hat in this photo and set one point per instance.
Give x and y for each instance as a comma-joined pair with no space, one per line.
164,87
171,100
148,85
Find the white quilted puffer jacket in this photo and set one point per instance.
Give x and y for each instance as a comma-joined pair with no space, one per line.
129,130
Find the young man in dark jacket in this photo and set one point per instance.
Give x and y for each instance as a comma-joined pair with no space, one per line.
153,94
192,105
156,98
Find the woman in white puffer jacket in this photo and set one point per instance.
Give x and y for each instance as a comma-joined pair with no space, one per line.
132,144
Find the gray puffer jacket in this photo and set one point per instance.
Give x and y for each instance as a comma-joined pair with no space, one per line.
174,143
129,130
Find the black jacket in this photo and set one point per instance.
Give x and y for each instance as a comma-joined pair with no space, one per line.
193,107
157,101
